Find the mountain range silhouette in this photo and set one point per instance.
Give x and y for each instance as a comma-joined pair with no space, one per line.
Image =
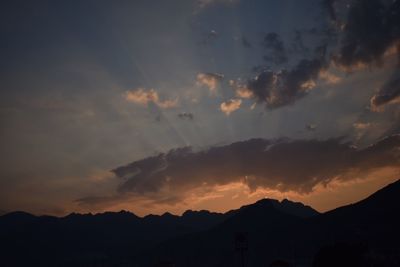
275,231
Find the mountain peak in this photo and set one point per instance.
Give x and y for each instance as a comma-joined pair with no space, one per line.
196,212
296,208
168,215
289,207
19,215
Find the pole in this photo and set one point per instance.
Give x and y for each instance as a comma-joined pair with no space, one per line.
242,256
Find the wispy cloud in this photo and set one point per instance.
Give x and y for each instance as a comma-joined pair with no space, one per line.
210,80
388,94
240,89
329,77
144,97
230,106
256,163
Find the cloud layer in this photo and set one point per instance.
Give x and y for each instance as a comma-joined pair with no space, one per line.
282,164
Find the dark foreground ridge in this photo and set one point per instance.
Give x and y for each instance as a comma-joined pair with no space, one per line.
266,233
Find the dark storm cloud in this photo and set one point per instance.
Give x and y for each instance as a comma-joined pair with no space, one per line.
257,163
372,27
277,89
275,47
297,45
186,116
362,34
388,93
371,30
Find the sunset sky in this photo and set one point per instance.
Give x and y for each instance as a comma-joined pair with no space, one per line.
168,105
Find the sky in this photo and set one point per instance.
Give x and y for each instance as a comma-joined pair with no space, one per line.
153,106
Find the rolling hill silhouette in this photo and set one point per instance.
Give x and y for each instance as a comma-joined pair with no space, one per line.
275,230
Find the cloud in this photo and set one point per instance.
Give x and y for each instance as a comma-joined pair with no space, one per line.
169,103
369,34
361,129
361,125
230,106
281,88
243,92
274,45
329,77
210,80
240,89
144,97
297,45
371,29
388,94
186,116
257,163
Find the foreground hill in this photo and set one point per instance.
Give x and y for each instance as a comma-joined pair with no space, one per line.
275,234
81,238
274,230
